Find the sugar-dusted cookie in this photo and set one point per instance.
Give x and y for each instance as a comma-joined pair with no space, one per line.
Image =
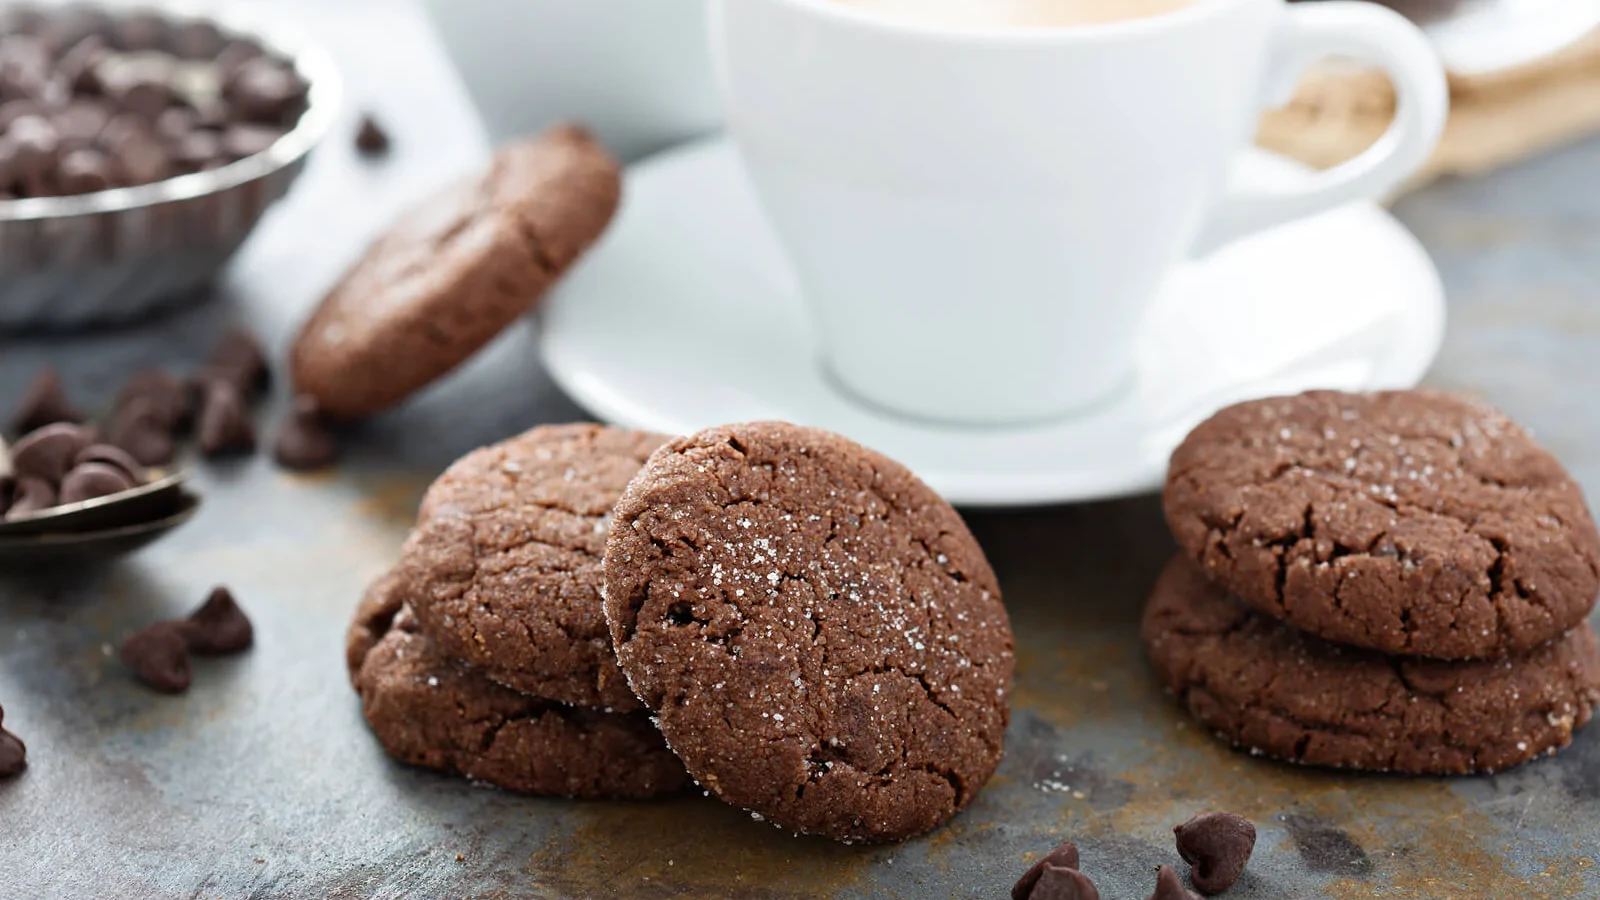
1279,692
1409,522
430,711
819,635
503,568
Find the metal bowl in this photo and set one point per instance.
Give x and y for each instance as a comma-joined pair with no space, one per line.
116,255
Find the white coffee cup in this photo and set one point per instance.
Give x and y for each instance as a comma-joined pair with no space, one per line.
636,72
979,217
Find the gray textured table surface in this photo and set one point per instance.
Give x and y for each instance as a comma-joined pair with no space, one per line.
263,781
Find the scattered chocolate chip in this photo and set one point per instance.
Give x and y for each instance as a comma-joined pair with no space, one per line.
43,403
31,495
115,457
1169,887
218,627
1216,845
1061,883
140,427
304,442
1064,856
48,452
237,358
371,139
90,480
225,426
158,655
171,397
13,752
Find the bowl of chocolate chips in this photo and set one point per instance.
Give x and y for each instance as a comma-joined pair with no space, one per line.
138,149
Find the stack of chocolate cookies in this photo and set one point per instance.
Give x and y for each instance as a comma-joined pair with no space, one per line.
1396,581
792,621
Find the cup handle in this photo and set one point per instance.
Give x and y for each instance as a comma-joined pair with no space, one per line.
1367,33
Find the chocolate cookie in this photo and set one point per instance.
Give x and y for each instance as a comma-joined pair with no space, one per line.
454,272
504,565
1285,694
820,637
429,711
1408,522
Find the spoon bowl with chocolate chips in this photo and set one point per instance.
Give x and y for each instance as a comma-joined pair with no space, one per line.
138,149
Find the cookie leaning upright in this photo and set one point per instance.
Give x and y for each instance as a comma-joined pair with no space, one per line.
454,272
1408,522
503,569
818,633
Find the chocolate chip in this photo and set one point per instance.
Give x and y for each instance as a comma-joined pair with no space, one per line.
1216,845
80,65
265,91
158,655
113,456
48,452
31,495
12,110
74,24
196,40
225,426
232,58
1064,856
1061,883
90,480
238,358
241,141
140,31
139,155
140,92
197,150
371,139
218,627
168,393
13,752
84,172
1168,887
37,144
80,124
43,403
142,429
305,443
176,121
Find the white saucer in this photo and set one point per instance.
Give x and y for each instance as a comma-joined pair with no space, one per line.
686,316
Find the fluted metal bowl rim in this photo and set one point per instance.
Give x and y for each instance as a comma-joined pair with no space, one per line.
314,64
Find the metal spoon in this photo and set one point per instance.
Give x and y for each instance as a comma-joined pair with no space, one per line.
148,502
41,551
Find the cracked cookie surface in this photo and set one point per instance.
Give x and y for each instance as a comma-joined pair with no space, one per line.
503,568
429,711
1408,521
454,271
1278,692
818,633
